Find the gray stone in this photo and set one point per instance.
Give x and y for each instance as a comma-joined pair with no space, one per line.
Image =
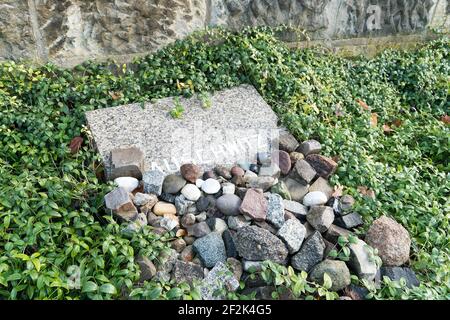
236,267
257,244
187,272
295,156
272,170
361,261
217,225
296,189
182,204
160,151
299,210
310,254
349,221
264,182
141,199
220,277
205,203
153,219
126,162
309,147
303,172
264,225
264,158
240,192
188,220
309,229
252,266
275,210
396,273
229,204
334,232
166,260
147,268
168,224
167,197
153,181
315,198
189,240
292,232
173,183
228,240
210,249
199,230
249,175
209,174
345,204
136,225
322,185
223,172
336,270
320,218
201,217
119,201
236,222
286,141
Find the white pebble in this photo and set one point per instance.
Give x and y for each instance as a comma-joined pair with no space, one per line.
191,192
199,183
315,198
228,188
128,183
211,186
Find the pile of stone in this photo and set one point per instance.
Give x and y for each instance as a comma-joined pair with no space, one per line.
227,221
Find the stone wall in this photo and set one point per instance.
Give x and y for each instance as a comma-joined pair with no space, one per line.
70,31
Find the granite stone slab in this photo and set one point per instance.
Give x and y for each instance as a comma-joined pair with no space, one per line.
237,125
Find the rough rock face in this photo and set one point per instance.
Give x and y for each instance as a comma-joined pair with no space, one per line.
71,31
310,254
14,16
257,244
93,28
391,240
337,270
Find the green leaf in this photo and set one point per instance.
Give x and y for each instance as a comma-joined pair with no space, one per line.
37,264
155,293
195,294
108,288
22,256
327,283
90,286
14,277
174,293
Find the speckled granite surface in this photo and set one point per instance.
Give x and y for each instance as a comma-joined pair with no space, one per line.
237,125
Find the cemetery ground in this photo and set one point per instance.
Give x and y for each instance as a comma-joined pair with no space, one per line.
383,121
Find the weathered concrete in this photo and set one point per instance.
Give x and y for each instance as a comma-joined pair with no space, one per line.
238,124
68,32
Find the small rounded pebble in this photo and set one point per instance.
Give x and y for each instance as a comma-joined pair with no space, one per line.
211,186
